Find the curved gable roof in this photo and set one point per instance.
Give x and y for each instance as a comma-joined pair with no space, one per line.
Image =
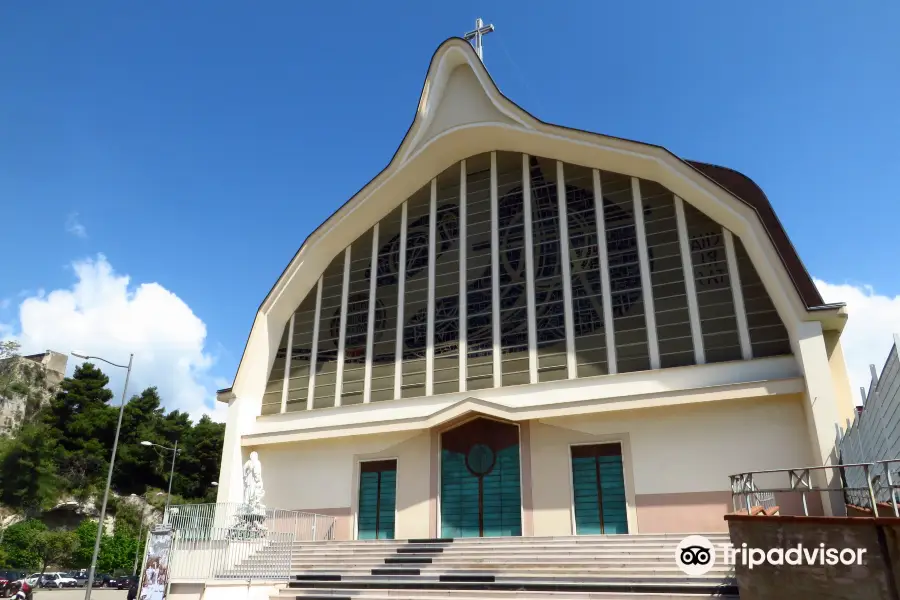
734,183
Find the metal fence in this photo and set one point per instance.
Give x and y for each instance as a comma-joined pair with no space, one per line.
874,434
879,490
233,541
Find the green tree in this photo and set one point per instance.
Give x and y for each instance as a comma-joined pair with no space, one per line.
28,478
54,548
198,465
18,544
84,426
137,466
128,519
117,553
86,532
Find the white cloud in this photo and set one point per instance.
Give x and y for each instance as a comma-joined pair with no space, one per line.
103,315
75,227
867,338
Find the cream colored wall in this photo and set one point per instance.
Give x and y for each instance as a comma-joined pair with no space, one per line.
413,485
323,476
685,450
842,389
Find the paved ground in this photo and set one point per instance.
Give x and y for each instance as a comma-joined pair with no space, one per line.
78,594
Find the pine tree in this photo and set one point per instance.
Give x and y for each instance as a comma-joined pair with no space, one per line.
84,425
28,478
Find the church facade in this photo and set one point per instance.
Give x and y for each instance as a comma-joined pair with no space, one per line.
518,328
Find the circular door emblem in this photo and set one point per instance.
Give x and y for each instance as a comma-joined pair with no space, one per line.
480,459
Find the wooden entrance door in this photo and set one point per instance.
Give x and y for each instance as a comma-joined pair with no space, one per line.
480,480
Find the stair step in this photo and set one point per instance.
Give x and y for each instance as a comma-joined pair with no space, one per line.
623,567
622,575
395,571
508,541
419,560
449,558
352,594
494,551
524,584
468,578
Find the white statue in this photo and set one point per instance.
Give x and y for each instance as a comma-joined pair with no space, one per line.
253,484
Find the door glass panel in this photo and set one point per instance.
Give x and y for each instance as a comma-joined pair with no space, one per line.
377,500
599,489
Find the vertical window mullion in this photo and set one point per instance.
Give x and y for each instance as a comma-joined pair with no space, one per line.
529,271
370,331
310,395
687,266
401,288
289,351
646,283
463,296
608,327
737,292
342,334
495,272
565,261
429,330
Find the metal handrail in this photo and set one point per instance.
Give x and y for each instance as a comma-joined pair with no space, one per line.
743,485
238,541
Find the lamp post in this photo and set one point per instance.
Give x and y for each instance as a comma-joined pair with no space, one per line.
174,452
137,551
112,462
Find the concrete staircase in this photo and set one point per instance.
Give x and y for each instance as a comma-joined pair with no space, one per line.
620,567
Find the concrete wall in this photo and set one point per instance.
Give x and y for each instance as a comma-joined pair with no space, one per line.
677,460
843,392
875,579
322,477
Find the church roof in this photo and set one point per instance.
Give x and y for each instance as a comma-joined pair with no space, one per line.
735,183
738,184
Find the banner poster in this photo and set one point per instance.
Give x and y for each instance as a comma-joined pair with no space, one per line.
155,574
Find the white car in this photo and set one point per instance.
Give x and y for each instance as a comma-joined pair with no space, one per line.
51,580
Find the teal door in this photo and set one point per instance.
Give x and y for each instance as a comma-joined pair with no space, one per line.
377,500
480,480
599,489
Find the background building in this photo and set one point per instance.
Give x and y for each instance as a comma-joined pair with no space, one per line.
28,381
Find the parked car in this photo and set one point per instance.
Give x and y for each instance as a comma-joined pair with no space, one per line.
57,580
124,582
108,581
33,579
80,578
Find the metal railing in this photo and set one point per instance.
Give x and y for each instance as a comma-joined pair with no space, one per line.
745,491
234,541
877,477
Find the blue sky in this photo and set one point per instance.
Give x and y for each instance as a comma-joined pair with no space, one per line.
195,145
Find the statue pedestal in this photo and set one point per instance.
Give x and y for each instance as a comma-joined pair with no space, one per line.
250,523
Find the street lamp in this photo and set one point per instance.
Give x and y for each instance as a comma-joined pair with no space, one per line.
140,537
174,452
112,462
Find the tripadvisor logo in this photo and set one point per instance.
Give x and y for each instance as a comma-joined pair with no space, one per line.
695,555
